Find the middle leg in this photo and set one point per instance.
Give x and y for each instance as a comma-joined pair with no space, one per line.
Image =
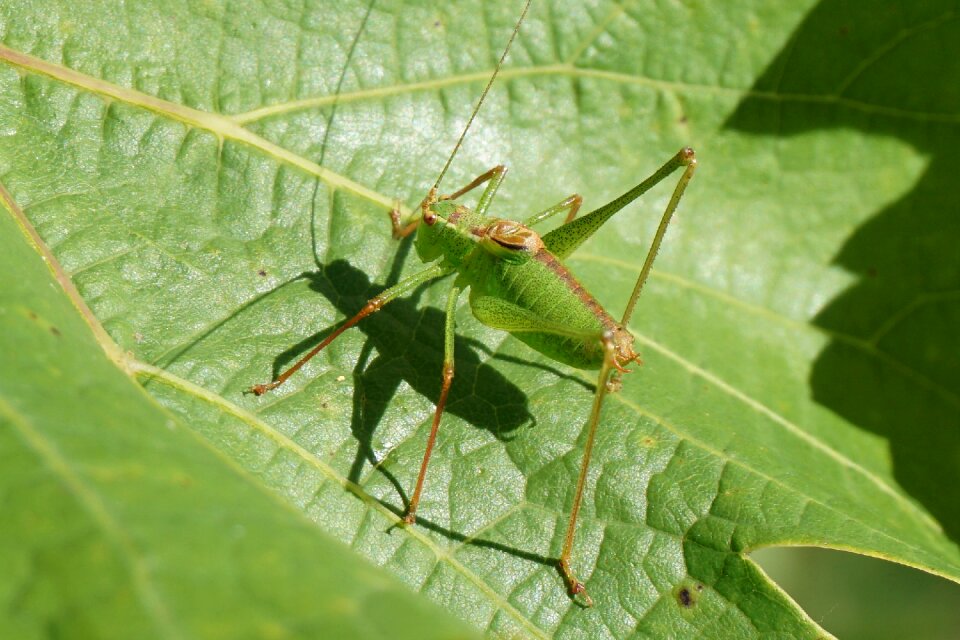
448,339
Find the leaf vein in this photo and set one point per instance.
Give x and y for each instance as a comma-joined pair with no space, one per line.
281,440
791,427
218,124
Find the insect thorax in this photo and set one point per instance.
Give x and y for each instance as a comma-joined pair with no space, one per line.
453,231
441,235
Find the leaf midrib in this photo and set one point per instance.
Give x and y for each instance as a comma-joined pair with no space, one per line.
443,555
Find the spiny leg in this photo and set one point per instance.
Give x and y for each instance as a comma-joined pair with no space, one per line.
401,230
448,338
603,386
605,382
563,240
373,305
687,156
570,204
495,176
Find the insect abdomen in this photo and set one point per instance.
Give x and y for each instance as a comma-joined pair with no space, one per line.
543,290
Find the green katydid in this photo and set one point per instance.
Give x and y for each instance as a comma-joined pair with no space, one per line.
519,284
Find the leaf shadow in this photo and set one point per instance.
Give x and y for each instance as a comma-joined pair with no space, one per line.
891,365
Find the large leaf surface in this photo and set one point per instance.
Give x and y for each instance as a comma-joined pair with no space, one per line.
218,212
119,522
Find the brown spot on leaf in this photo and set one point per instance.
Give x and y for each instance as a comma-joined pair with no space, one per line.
688,595
55,331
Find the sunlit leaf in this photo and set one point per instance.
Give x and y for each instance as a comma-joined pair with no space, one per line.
215,180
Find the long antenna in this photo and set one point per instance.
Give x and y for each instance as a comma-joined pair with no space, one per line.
329,128
516,29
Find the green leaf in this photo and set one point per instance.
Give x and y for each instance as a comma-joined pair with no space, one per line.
120,522
220,208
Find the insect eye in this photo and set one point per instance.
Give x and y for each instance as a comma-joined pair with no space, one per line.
429,217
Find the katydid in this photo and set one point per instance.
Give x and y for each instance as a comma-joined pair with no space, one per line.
518,283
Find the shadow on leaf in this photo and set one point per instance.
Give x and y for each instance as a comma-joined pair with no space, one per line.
405,344
891,366
482,543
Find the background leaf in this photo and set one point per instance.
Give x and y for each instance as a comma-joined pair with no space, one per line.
120,523
219,211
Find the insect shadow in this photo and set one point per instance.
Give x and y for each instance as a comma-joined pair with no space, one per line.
405,344
493,545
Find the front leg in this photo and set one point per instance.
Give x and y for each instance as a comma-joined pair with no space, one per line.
495,176
400,230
